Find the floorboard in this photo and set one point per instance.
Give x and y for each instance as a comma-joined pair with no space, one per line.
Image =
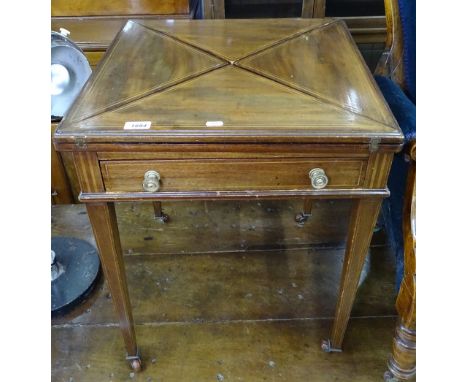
229,291
229,351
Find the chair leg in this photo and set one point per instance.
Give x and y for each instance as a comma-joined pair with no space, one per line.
402,362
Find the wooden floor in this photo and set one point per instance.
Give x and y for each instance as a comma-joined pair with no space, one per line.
229,291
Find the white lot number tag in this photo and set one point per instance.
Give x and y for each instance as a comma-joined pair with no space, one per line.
137,125
214,124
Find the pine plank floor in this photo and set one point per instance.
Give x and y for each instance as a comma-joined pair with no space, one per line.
229,291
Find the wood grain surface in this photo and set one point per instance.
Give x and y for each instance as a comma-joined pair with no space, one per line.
204,312
218,175
117,7
363,217
234,39
243,351
149,71
332,75
234,248
254,88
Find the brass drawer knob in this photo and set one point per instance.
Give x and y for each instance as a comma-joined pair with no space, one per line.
318,178
151,181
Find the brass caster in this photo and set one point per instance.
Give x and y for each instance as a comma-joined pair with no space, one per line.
163,218
136,365
135,361
327,348
301,218
389,377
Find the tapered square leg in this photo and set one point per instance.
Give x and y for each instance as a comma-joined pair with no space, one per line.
159,214
302,216
363,218
104,223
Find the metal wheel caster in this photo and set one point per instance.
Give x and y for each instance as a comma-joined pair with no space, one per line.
163,218
135,361
301,218
327,348
389,377
136,365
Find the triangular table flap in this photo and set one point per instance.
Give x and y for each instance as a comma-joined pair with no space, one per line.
240,100
324,63
236,39
141,61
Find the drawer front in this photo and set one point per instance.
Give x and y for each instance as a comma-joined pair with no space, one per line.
231,175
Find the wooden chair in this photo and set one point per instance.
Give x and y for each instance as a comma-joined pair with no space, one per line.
395,74
402,362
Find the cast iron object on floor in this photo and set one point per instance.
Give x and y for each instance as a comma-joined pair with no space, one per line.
75,268
69,69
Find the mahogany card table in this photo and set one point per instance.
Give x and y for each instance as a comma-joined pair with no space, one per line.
231,109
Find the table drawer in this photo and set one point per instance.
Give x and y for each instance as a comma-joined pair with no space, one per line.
224,175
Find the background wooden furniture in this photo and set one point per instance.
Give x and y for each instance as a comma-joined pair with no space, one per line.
245,102
402,362
364,18
398,61
396,73
94,23
391,62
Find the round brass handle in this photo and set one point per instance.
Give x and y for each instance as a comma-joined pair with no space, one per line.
318,178
151,181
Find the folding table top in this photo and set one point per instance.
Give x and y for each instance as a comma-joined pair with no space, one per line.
267,80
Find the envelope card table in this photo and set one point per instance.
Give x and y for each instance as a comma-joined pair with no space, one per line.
231,109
